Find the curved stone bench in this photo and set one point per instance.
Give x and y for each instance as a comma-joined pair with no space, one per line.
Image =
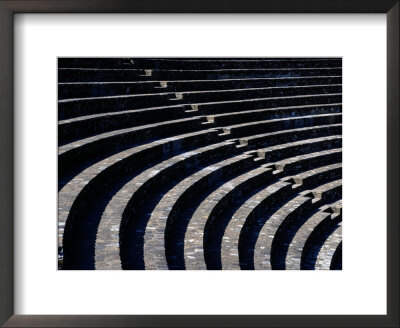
168,209
212,108
198,63
293,256
132,74
309,161
147,186
107,241
216,95
250,210
71,108
103,174
327,251
255,208
84,126
100,74
214,231
240,130
70,90
209,210
297,207
290,135
301,147
318,236
71,156
70,130
68,108
272,113
295,250
336,263
230,63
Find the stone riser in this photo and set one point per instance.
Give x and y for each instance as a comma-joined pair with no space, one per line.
77,108
85,75
196,63
88,89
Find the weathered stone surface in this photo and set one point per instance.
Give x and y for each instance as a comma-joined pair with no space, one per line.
194,163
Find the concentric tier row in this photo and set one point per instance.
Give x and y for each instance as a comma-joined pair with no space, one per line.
218,163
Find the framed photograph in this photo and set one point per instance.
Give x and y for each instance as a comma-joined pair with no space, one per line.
199,164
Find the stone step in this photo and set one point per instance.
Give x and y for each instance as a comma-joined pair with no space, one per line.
290,135
75,154
71,90
100,176
269,247
234,253
249,211
198,63
169,210
326,254
208,216
71,108
311,226
312,145
273,113
145,186
273,125
131,74
213,108
70,130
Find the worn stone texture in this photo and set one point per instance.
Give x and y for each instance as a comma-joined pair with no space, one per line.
246,150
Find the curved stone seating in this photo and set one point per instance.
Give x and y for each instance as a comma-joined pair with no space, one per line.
83,126
249,210
238,63
327,251
71,108
290,135
108,143
293,257
256,207
86,126
211,206
102,174
162,176
286,123
85,106
211,108
182,163
295,250
260,92
301,147
307,161
209,210
198,63
168,209
107,243
132,74
70,90
297,207
272,113
336,263
144,184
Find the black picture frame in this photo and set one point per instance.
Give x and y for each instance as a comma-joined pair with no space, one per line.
10,7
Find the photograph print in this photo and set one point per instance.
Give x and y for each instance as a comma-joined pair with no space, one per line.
200,163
